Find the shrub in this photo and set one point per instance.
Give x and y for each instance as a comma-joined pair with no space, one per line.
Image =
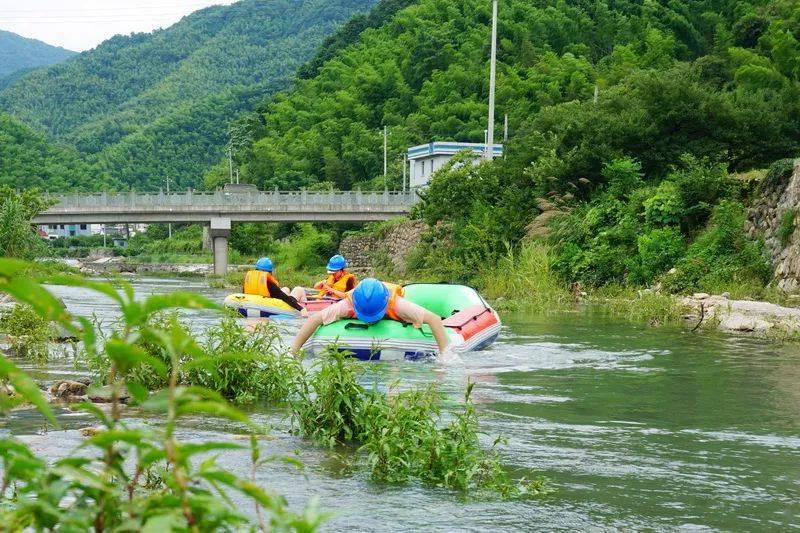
29,334
252,239
658,251
623,177
330,404
701,186
786,226
107,483
251,365
665,207
721,254
402,432
308,246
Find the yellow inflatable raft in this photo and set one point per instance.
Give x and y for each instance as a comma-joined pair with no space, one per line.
254,306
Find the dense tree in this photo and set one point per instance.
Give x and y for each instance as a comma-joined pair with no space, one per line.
673,78
28,160
627,115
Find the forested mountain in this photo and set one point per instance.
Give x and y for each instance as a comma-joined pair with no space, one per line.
21,53
152,106
28,159
711,78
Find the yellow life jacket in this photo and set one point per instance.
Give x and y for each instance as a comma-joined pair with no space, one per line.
340,285
395,291
257,282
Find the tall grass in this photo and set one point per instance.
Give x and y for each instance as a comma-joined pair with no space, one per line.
525,277
17,236
640,305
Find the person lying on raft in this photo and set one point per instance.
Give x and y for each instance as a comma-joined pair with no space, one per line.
370,302
262,282
339,281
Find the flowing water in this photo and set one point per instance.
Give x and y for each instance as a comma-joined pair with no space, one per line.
636,427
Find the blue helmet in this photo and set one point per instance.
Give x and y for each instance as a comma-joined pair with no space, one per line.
265,264
337,262
370,300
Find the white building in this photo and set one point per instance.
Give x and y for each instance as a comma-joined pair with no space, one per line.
426,159
55,231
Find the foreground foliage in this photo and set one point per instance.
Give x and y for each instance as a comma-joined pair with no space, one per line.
109,484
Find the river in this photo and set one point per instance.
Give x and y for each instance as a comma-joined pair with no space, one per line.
637,427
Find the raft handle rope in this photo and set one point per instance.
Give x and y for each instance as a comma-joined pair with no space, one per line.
356,325
485,305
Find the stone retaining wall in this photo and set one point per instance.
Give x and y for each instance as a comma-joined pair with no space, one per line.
764,220
392,245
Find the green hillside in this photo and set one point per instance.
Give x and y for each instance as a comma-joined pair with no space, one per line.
627,120
19,53
424,74
28,159
119,101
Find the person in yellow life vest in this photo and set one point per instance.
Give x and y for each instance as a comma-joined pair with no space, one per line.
262,282
339,281
370,302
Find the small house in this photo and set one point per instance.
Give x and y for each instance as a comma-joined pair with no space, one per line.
425,159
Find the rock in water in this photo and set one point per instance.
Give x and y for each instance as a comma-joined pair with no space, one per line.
103,395
68,388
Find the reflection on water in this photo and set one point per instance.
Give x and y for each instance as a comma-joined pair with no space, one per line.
636,427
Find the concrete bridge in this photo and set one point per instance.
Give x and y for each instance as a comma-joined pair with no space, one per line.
219,209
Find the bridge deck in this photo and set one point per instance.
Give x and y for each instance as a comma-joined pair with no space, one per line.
274,206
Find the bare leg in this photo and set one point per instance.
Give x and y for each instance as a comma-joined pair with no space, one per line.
299,294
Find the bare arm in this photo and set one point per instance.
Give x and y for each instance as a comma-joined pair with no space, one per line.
437,328
306,330
334,292
276,292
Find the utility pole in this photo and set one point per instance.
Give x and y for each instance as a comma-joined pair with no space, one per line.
230,162
405,164
492,67
505,131
596,94
385,150
169,225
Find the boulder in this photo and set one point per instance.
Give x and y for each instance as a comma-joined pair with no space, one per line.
90,431
103,395
68,388
744,323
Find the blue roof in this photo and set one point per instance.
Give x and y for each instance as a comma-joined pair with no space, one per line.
449,148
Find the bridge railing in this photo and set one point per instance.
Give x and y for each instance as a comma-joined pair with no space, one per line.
328,200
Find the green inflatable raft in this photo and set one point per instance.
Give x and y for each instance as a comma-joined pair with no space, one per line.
469,321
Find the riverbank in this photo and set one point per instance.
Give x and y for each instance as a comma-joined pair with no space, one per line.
742,316
525,284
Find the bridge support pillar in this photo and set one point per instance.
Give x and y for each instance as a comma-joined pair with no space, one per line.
220,230
207,244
